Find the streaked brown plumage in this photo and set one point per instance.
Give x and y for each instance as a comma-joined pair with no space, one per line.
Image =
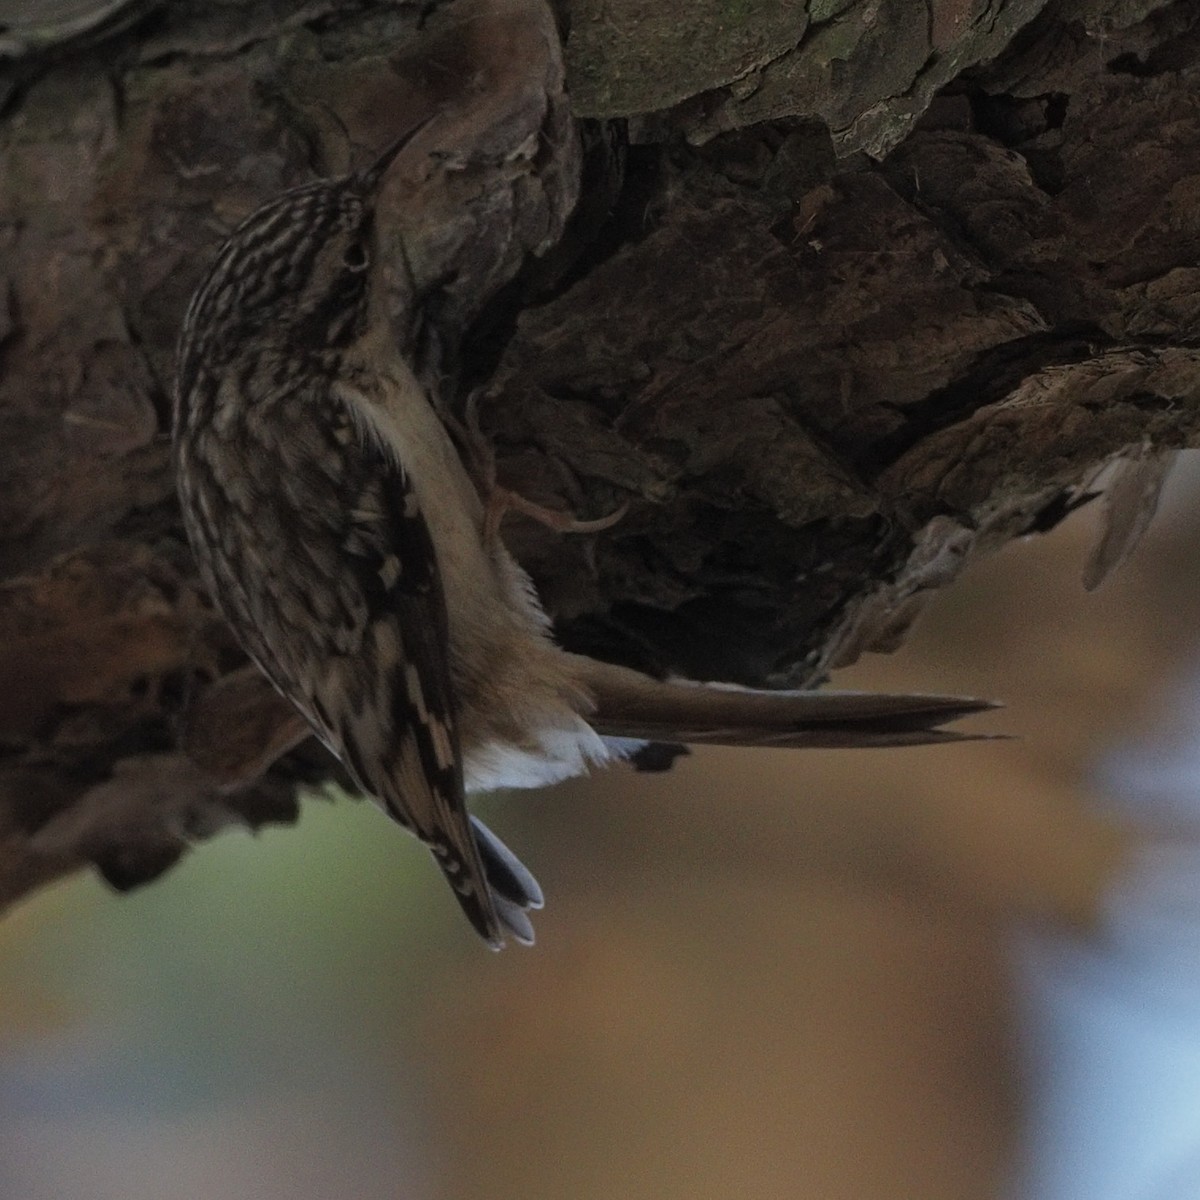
336,527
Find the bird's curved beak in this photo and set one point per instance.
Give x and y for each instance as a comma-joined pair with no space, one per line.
371,176
390,297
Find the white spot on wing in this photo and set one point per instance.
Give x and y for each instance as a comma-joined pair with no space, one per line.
416,693
390,571
387,646
442,746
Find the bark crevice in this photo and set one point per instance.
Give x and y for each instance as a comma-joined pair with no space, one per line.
833,320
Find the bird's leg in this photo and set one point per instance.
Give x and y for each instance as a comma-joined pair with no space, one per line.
498,500
501,499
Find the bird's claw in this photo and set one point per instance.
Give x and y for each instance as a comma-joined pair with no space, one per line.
500,500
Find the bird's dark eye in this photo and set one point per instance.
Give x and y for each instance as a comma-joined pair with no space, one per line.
355,257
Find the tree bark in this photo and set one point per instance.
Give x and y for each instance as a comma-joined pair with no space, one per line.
834,300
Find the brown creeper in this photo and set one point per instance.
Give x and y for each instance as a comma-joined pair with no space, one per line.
338,530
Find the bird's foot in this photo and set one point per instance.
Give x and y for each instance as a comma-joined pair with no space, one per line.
500,500
481,464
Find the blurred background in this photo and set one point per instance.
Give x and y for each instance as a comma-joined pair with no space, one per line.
959,972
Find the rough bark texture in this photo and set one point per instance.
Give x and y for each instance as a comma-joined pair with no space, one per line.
835,299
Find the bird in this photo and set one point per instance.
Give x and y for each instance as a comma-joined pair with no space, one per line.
338,529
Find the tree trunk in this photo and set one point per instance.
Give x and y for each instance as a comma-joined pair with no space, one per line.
834,301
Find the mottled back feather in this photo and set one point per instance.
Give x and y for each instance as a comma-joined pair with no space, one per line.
311,538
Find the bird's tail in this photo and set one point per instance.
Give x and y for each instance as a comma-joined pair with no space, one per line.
512,890
632,705
629,705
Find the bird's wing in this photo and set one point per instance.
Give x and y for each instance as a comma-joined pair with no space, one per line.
367,659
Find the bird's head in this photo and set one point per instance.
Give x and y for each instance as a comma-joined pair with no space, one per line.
292,280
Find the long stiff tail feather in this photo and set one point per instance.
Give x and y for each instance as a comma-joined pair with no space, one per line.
513,891
632,705
629,705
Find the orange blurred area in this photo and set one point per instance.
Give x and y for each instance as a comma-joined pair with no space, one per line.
763,974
